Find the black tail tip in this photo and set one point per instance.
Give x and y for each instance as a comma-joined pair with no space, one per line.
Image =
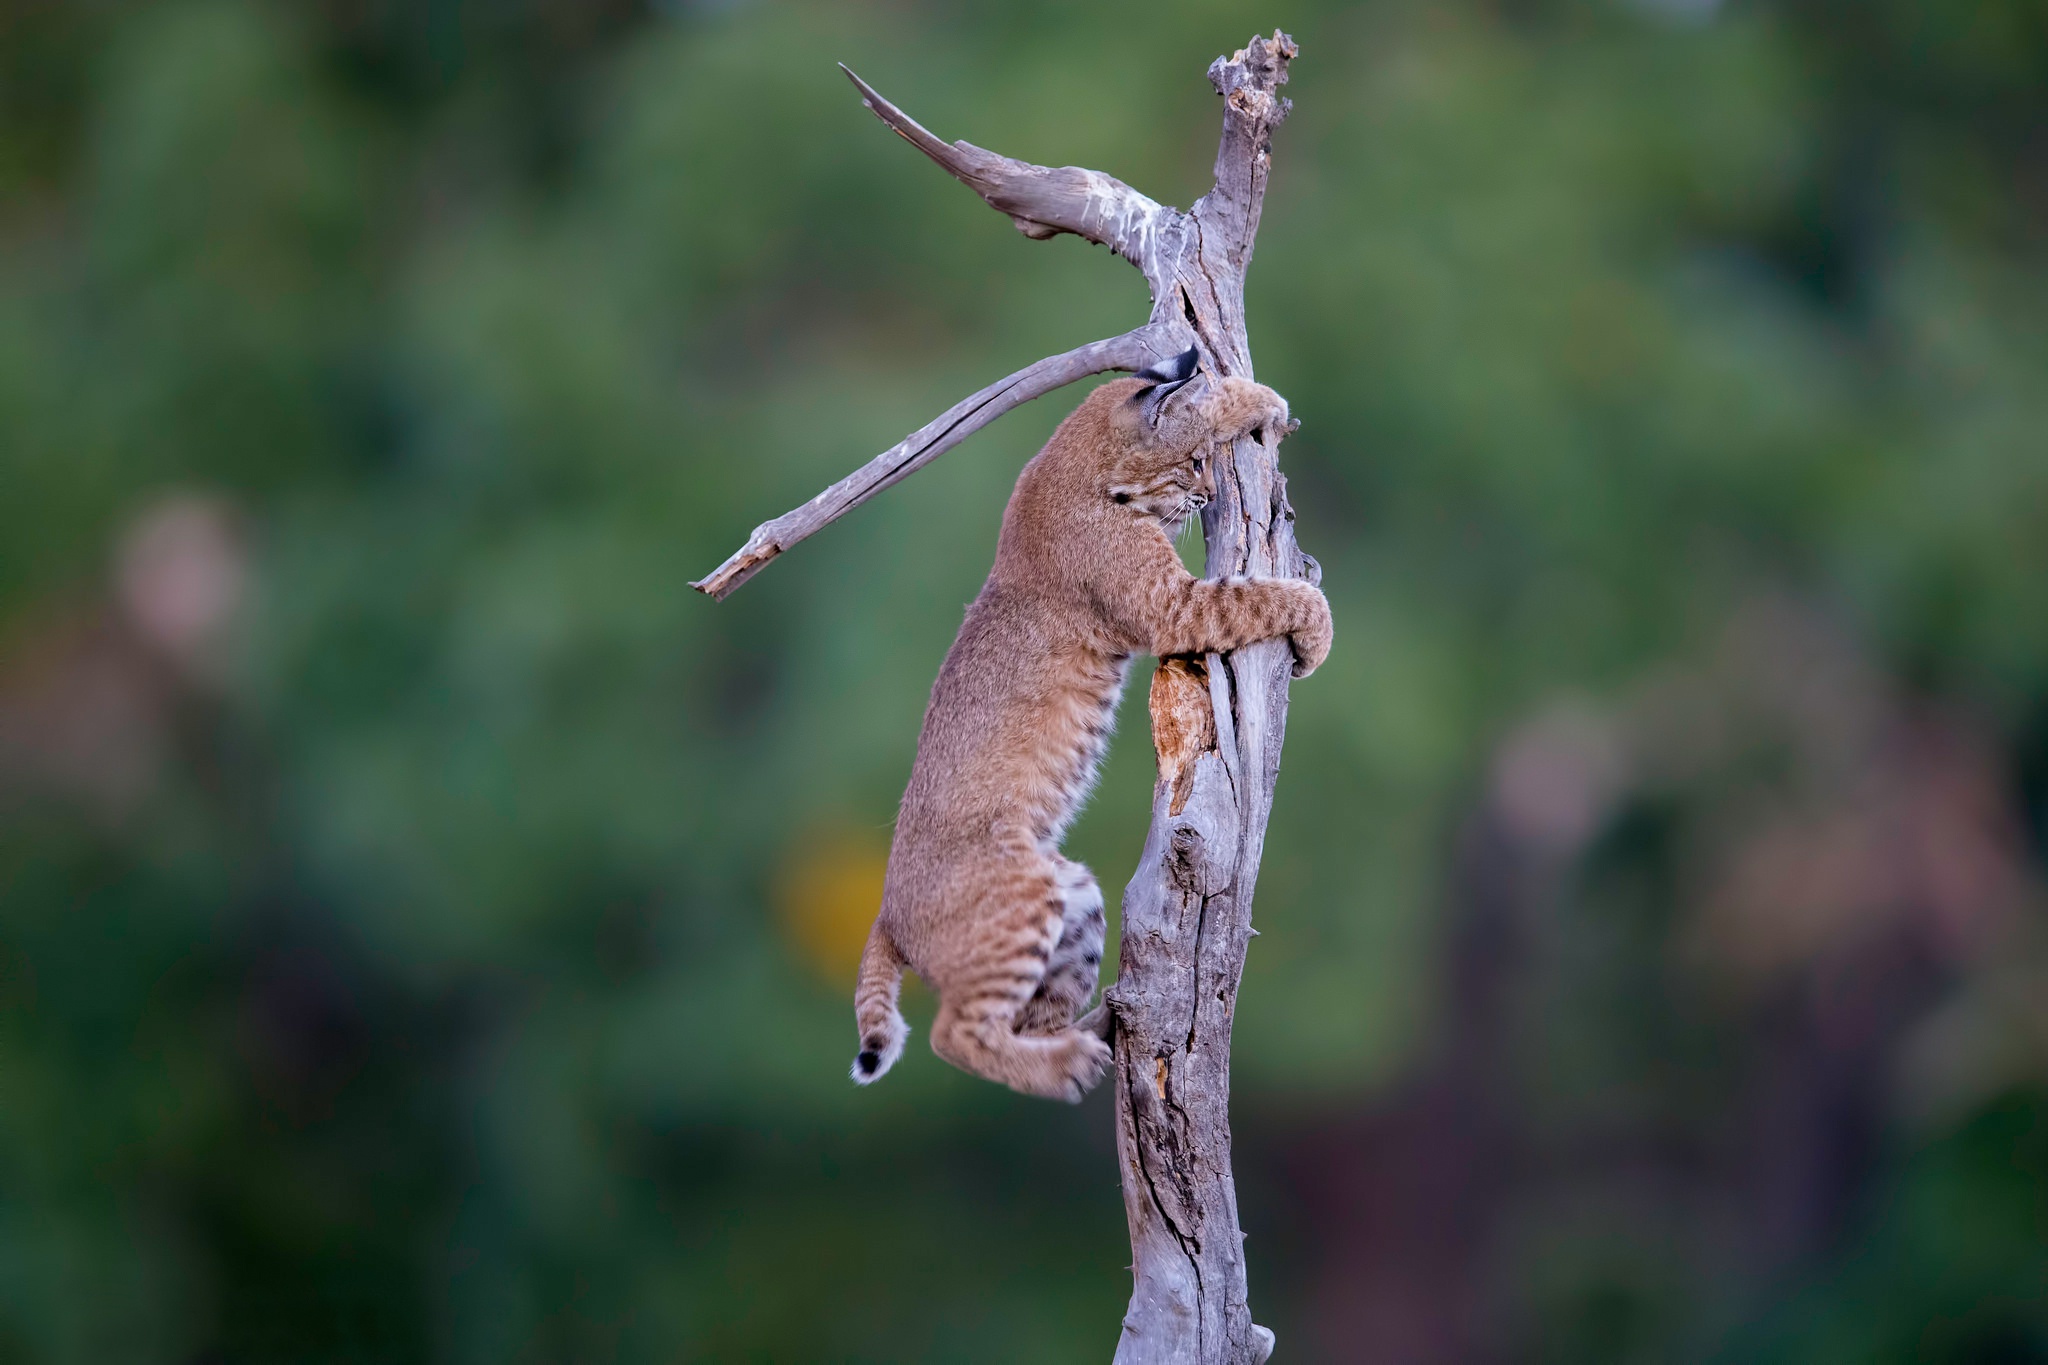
867,1062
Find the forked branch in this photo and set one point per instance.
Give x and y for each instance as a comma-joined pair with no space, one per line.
1042,202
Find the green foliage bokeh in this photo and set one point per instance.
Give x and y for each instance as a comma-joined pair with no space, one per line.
424,996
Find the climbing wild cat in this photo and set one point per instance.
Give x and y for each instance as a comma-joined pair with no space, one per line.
978,900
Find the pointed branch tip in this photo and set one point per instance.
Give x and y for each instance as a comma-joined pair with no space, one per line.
1042,201
1132,351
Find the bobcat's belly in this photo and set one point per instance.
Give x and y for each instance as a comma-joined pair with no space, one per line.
1074,738
1019,720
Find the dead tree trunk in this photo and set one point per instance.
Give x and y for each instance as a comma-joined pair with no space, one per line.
1217,723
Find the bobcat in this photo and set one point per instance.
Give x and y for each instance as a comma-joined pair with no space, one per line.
977,899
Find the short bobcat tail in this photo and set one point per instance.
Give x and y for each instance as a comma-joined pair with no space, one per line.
882,1030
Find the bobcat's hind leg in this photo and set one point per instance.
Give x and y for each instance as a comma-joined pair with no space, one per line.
1071,972
1059,1066
983,997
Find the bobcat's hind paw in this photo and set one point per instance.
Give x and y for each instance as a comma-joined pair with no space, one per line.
1086,1066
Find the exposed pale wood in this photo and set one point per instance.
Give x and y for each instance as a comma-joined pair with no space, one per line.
1183,725
1187,911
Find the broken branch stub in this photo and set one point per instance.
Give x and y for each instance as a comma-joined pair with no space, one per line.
1187,910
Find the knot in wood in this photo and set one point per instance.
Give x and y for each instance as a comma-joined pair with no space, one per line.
1186,857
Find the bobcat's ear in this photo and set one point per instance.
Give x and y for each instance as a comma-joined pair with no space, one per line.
1174,369
1163,379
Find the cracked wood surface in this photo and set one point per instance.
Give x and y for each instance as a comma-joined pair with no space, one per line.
1187,911
1217,722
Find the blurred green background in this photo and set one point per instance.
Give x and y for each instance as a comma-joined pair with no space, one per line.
426,926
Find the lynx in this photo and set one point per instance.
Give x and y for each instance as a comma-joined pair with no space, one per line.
977,899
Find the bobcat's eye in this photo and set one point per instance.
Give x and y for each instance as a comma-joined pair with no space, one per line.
1198,464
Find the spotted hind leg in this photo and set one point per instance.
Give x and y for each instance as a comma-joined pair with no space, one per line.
1076,960
983,995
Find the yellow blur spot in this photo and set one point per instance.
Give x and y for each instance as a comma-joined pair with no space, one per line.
826,900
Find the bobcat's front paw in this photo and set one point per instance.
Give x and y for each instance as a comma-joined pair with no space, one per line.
1241,407
1311,639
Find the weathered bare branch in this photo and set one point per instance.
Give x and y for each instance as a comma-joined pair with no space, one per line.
1187,912
1042,201
1132,351
1249,82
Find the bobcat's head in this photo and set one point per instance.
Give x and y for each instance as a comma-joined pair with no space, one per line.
1159,455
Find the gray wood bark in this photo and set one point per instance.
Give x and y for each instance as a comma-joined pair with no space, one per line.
1217,723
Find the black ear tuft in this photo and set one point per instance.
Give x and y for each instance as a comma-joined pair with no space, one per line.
1162,379
1174,369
